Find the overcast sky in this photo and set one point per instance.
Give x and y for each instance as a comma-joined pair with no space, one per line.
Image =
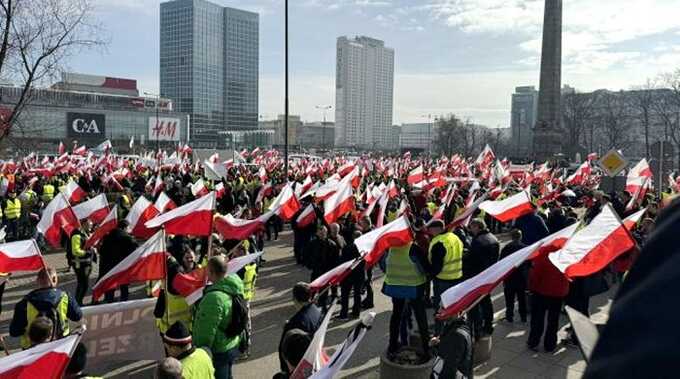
451,56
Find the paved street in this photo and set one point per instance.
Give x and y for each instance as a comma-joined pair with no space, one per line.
273,305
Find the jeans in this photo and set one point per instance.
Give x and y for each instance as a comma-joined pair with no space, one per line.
12,230
82,277
540,305
511,292
439,287
398,308
354,286
223,363
124,294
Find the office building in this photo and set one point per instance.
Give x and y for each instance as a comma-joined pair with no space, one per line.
278,127
523,119
417,137
364,94
209,64
318,135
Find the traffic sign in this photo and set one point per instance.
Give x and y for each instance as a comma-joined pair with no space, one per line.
612,163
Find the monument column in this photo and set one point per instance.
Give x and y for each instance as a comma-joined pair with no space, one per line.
548,134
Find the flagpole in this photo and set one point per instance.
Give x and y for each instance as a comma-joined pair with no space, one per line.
285,172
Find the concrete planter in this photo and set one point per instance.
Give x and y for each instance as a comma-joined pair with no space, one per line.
392,370
482,350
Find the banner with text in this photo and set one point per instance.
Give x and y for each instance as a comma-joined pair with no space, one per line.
164,129
120,333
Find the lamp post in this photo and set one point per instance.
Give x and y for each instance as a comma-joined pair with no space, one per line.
157,103
285,152
324,108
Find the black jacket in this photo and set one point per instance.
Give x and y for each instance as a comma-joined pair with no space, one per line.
115,247
307,319
484,251
518,278
43,299
322,256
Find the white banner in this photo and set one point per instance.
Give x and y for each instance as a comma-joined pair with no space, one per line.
164,129
120,333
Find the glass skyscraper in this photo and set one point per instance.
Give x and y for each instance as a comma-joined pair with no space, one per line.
209,66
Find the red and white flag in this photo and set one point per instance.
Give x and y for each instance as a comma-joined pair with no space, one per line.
461,297
20,256
641,169
220,190
158,185
509,208
73,192
94,209
639,190
592,248
306,217
416,175
315,357
142,211
264,191
57,216
631,221
164,203
580,175
45,361
199,189
239,229
147,262
486,156
382,208
307,184
286,204
110,222
334,276
375,243
470,208
194,218
341,202
61,149
392,190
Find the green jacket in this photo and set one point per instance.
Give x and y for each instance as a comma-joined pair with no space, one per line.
214,315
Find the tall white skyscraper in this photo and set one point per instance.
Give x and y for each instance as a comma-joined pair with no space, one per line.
364,88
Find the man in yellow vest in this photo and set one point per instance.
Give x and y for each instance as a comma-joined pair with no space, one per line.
196,362
81,259
445,255
48,301
249,276
405,283
48,193
12,214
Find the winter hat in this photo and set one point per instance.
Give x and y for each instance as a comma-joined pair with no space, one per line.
178,334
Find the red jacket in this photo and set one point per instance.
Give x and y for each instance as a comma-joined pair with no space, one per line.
545,279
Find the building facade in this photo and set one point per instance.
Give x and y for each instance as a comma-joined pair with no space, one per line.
364,88
416,137
93,114
523,119
209,64
278,126
316,135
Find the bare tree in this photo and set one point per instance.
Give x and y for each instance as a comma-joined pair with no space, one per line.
614,120
641,99
38,37
578,113
667,107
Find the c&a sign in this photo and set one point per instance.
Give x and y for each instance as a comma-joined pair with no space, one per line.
86,126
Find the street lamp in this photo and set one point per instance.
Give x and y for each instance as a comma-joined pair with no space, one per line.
158,100
286,94
324,108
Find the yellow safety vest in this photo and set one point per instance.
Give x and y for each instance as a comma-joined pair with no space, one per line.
197,365
48,193
401,271
249,281
32,312
453,260
431,207
29,199
391,216
13,210
176,309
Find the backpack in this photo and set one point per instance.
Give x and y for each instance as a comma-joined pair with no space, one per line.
51,314
239,317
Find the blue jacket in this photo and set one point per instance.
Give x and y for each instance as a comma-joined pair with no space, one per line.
533,228
42,299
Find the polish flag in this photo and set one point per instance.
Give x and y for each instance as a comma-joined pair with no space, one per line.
592,248
219,190
510,208
264,191
95,209
45,361
286,205
382,208
641,169
375,243
198,189
109,223
464,295
164,203
392,190
307,184
114,183
57,216
233,228
416,175
334,276
580,175
194,218
341,202
147,262
315,357
82,151
592,156
158,185
306,217
629,222
73,192
20,256
141,212
61,149
486,156
345,169
640,190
